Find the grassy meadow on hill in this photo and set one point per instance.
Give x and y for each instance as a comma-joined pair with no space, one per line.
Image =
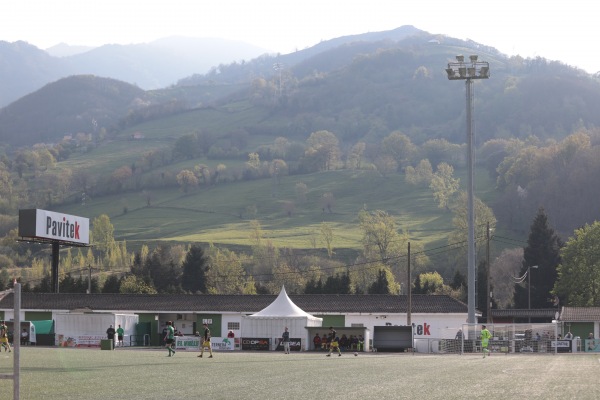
222,213
162,134
219,214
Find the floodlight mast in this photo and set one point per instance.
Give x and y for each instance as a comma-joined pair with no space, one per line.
278,67
467,71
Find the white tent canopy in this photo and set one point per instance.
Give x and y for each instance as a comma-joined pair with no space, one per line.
283,306
271,321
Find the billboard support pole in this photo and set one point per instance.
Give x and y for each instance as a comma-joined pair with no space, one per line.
55,261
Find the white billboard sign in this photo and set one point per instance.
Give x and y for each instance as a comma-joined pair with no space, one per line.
54,226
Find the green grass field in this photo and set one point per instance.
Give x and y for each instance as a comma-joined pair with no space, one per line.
57,373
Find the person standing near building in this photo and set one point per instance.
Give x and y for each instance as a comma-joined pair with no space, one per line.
170,338
4,336
110,334
569,336
285,339
485,340
120,333
205,342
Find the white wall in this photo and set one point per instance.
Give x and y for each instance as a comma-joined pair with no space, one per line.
273,327
128,322
92,326
226,318
426,325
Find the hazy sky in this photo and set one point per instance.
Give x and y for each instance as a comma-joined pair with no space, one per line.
558,30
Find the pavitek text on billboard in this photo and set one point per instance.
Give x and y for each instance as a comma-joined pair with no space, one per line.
42,224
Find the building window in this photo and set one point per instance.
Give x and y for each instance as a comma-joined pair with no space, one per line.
233,326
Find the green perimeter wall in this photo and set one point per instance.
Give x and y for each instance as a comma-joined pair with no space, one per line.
215,327
37,316
33,315
333,320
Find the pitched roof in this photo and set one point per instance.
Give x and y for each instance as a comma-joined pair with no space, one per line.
580,314
524,313
311,303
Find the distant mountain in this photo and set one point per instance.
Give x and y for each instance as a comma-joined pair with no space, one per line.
324,57
163,62
361,89
24,68
68,106
65,50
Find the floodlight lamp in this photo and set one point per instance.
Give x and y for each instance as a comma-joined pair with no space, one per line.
460,58
484,72
473,58
471,72
462,71
450,73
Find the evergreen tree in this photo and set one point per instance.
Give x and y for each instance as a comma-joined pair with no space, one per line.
45,285
459,281
193,278
159,268
139,268
482,299
68,284
380,286
417,289
3,279
111,285
313,287
337,284
578,274
543,251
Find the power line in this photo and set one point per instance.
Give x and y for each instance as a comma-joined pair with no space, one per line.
356,266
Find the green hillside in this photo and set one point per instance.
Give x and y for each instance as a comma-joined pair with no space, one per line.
220,215
162,134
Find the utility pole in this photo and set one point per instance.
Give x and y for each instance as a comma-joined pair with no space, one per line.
278,67
409,307
489,270
89,290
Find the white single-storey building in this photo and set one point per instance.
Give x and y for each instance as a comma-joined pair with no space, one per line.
432,316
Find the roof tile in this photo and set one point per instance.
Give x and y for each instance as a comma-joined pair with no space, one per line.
311,303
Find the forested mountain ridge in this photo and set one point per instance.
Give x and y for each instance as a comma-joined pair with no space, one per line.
83,104
364,89
24,68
